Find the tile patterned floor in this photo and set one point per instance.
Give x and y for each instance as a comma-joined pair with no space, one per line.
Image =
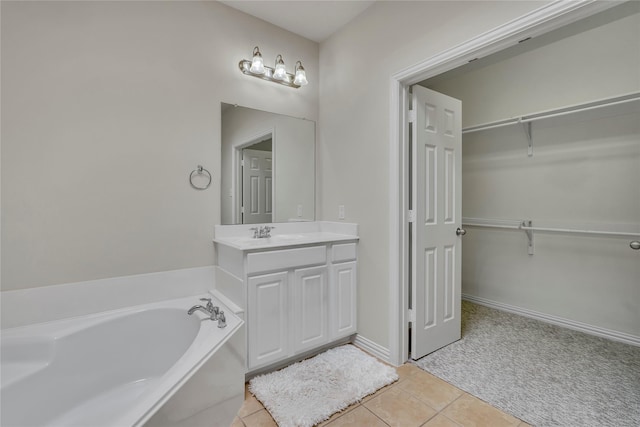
416,399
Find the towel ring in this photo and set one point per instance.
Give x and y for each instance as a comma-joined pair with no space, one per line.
200,171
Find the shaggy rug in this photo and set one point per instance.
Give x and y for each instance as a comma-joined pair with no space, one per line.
308,392
543,374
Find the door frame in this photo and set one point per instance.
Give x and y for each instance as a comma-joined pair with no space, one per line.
236,170
542,20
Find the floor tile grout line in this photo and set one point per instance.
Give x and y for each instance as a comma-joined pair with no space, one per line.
421,399
451,403
376,415
465,392
344,412
257,410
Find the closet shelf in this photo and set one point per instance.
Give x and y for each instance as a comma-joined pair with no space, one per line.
527,227
526,120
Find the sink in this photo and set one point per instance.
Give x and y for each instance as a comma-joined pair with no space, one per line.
286,238
278,239
240,237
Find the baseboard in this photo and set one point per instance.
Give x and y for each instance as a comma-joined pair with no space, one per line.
374,349
555,320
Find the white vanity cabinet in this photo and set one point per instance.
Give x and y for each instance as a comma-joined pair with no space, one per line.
311,308
287,314
268,304
297,297
343,291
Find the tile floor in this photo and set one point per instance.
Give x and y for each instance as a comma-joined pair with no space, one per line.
416,399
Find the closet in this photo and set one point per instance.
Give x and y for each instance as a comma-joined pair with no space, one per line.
551,175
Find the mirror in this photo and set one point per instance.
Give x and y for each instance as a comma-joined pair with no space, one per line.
268,167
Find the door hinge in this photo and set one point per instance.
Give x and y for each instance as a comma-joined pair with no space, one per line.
242,209
411,216
411,316
412,116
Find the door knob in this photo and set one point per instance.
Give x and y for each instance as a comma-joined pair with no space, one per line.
461,232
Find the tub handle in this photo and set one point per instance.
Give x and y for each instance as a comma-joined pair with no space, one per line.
214,310
222,321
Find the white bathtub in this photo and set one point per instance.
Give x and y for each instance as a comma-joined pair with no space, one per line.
152,364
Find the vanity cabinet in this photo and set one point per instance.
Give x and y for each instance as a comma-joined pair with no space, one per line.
277,307
296,298
268,324
310,313
343,291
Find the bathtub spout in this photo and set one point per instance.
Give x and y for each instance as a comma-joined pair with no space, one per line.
202,309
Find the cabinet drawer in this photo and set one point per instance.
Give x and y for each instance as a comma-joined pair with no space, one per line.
286,258
343,252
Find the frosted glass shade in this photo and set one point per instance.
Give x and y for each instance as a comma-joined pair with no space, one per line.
301,77
280,73
257,65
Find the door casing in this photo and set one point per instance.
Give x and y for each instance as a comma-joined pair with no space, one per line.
236,170
542,20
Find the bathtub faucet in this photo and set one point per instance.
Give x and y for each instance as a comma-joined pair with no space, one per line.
262,232
211,310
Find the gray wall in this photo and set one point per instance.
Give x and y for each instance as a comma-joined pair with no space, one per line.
356,66
106,109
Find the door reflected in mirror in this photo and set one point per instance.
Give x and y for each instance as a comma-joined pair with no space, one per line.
268,167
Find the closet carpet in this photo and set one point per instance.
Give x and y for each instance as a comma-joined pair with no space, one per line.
543,374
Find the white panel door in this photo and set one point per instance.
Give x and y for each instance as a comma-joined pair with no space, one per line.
268,320
343,299
257,197
310,309
436,198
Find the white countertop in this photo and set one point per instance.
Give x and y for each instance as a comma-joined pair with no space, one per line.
296,234
281,240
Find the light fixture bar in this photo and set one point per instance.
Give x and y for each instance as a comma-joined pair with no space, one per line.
245,65
268,73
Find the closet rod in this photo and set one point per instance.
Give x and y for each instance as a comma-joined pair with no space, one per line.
508,227
576,231
521,226
527,227
556,112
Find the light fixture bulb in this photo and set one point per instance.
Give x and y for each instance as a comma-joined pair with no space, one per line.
280,72
257,64
301,76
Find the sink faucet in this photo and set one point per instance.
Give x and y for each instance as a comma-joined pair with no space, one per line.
211,310
262,231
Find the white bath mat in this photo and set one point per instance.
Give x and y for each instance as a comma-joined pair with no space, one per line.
310,391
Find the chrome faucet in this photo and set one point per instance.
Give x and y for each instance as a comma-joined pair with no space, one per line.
262,231
211,310
222,321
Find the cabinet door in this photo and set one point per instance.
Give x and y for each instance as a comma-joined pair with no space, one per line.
268,319
310,308
343,299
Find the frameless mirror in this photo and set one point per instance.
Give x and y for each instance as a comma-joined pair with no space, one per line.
268,167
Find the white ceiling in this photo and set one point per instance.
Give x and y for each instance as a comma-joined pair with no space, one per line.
313,19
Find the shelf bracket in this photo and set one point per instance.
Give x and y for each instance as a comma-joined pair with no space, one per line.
529,235
529,133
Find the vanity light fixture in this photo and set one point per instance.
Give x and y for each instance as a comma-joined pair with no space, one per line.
257,65
256,68
301,76
280,72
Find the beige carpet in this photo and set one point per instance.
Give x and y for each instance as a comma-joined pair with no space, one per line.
543,374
